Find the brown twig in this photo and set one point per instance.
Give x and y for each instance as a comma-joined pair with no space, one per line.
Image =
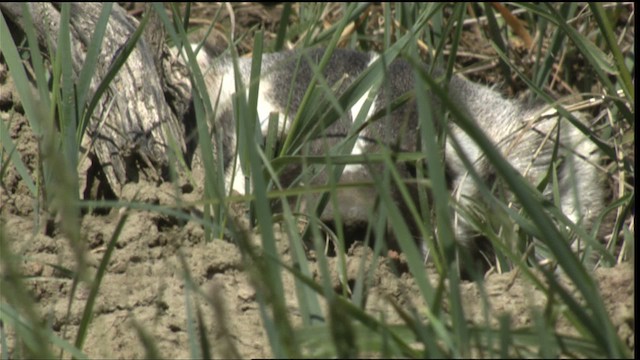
516,24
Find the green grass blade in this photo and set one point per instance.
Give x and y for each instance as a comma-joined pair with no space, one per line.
91,60
36,59
285,337
204,109
414,259
15,159
4,352
88,311
194,349
29,102
67,116
557,43
205,347
496,37
443,223
612,43
310,310
282,28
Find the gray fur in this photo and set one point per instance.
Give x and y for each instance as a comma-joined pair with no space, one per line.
508,123
520,133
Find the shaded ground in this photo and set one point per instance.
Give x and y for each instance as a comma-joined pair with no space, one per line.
145,283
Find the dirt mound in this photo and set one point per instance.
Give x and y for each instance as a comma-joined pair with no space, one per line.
145,286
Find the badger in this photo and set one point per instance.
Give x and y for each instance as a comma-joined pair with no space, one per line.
383,117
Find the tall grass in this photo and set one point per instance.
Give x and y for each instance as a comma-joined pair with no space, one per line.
563,35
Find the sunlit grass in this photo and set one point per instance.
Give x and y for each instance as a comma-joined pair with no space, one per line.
334,323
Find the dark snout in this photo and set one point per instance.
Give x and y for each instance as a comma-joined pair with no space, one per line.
355,203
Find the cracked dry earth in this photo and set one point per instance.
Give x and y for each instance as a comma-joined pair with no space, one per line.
144,285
